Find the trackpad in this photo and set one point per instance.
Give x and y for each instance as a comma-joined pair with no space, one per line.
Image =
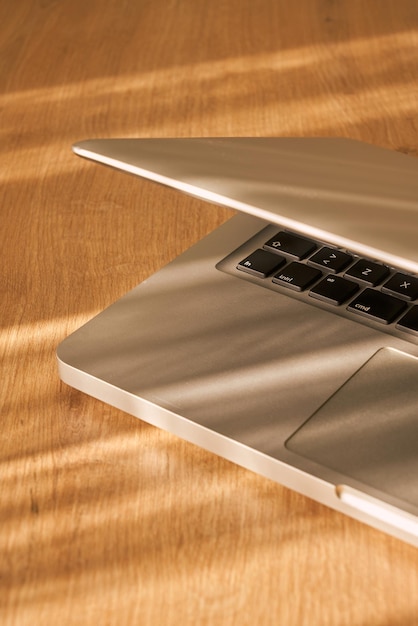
369,428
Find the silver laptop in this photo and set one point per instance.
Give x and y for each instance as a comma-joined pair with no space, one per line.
287,340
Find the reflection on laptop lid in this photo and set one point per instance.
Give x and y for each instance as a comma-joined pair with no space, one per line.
277,340
352,192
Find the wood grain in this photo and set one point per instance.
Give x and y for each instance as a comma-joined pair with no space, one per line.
104,519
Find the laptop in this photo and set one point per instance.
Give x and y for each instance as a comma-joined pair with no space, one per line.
286,340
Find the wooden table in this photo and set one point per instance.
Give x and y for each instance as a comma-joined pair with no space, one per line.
104,519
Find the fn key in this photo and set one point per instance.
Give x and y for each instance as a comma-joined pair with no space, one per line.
261,263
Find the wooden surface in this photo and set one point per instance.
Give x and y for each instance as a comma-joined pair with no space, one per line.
104,519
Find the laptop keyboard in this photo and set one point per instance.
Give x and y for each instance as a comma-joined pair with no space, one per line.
364,287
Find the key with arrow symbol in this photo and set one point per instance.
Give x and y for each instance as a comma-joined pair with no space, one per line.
334,260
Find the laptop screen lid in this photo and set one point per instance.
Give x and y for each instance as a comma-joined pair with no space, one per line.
343,191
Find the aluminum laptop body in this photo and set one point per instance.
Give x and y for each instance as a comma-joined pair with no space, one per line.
241,345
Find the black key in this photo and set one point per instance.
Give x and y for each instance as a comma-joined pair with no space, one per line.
409,322
334,289
261,263
368,271
298,247
333,260
297,276
377,306
403,285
